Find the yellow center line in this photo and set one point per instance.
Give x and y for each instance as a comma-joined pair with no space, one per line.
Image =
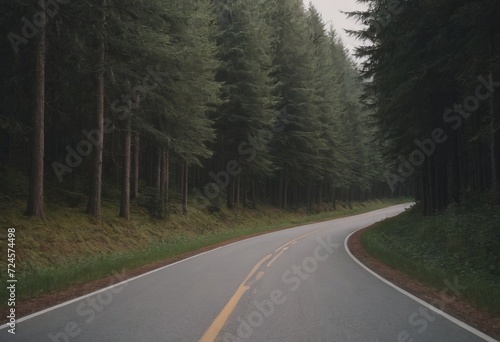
221,319
214,330
259,275
295,240
276,257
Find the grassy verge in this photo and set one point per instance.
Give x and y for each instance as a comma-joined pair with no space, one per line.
461,243
67,248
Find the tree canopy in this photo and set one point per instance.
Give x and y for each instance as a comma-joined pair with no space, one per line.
242,101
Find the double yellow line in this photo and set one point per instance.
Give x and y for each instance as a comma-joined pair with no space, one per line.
221,319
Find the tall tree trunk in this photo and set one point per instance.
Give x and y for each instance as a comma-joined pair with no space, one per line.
166,170
125,195
244,191
285,191
230,193
35,197
135,166
238,190
94,202
455,168
152,166
493,149
334,200
254,193
185,185
309,196
158,166
296,194
280,190
158,169
164,182
320,195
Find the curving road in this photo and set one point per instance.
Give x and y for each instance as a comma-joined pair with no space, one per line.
298,284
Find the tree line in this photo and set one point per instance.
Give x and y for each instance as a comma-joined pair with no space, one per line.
433,71
210,102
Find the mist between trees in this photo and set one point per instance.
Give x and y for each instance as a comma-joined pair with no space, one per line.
229,70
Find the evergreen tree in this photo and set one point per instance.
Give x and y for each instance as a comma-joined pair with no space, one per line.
294,70
36,184
244,118
423,66
140,94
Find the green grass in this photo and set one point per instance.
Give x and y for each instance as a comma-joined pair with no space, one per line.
461,243
67,248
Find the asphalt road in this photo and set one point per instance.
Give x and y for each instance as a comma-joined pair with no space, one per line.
298,284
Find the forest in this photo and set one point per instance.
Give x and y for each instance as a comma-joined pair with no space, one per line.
205,103
139,134
434,90
232,103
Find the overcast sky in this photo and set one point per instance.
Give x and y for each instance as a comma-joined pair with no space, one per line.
330,9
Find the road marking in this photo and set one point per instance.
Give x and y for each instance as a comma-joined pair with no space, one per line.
276,257
418,300
294,241
219,322
221,319
259,275
69,302
55,307
215,328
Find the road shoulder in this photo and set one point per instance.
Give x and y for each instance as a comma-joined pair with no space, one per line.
454,306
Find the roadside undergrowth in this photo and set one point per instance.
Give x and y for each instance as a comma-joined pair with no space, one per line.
461,243
67,248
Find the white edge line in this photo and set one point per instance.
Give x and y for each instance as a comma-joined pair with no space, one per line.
418,300
20,320
25,318
55,307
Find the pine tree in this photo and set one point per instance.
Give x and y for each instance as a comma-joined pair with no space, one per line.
94,202
36,184
294,65
423,66
244,119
